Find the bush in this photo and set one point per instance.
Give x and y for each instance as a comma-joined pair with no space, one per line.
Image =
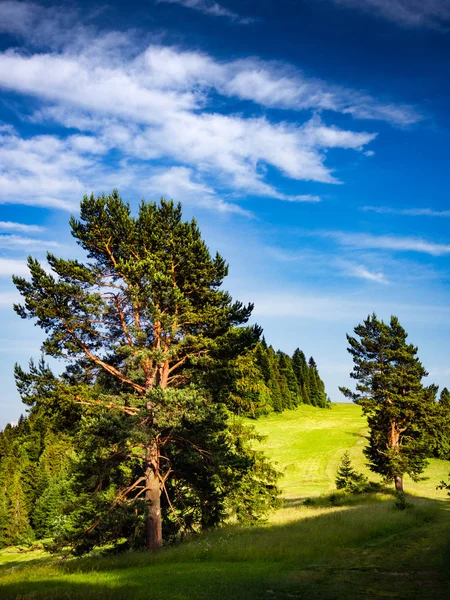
444,485
335,499
400,502
309,502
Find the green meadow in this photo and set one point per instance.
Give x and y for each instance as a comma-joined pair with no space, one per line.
333,547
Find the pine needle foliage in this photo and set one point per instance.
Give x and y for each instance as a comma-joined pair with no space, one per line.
401,412
347,478
147,335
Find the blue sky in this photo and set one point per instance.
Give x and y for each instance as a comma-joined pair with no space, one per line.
310,138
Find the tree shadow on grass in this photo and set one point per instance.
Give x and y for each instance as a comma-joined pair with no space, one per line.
339,498
179,581
358,434
365,550
57,589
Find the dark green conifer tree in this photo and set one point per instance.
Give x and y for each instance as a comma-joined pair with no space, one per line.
263,361
143,322
300,367
241,386
18,529
444,398
347,478
316,386
274,380
285,399
442,430
400,411
287,372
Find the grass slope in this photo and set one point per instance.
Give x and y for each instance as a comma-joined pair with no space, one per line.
308,444
363,548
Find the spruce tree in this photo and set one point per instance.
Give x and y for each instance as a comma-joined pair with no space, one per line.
317,387
400,411
300,367
277,390
314,392
347,478
442,429
444,398
241,386
287,371
18,529
142,320
263,361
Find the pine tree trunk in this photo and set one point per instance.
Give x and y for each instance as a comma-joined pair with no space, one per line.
398,483
153,522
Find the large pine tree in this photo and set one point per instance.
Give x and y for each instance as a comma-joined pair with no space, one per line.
400,411
141,324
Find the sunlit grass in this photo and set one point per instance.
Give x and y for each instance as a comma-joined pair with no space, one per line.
308,444
338,547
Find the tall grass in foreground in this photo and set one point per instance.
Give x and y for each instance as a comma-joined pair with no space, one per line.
359,548
248,562
316,534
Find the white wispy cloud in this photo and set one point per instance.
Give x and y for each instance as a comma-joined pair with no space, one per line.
385,242
180,75
332,307
11,226
209,7
362,272
300,198
9,267
12,242
409,13
322,264
270,83
153,125
43,171
409,212
278,85
150,104
178,182
7,299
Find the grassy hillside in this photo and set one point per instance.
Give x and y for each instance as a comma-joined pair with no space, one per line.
308,444
361,548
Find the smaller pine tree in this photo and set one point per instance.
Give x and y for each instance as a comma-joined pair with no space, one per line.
347,478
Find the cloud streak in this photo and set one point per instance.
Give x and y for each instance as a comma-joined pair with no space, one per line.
385,242
324,264
151,105
13,242
408,13
304,305
181,76
362,272
10,226
214,9
154,106
408,212
177,182
9,267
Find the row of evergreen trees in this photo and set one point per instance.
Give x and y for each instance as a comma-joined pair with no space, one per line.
290,380
34,479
